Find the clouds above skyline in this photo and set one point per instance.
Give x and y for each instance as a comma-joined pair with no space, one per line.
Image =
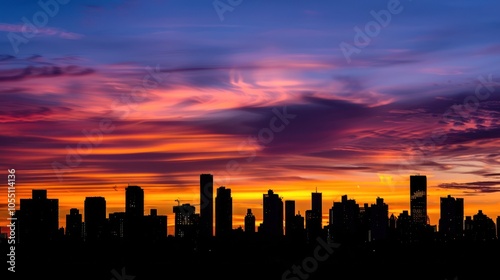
268,88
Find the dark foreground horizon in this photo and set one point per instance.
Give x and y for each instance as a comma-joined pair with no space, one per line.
246,258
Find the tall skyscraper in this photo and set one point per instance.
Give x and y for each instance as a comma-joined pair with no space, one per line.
249,222
74,224
314,223
317,202
418,200
134,201
289,217
94,218
134,213
38,218
272,224
451,220
379,220
223,212
206,205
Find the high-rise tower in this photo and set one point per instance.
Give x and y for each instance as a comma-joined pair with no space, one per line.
418,200
206,205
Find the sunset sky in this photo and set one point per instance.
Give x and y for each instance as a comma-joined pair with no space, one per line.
346,97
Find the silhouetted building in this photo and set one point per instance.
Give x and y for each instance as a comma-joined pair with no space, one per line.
272,224
299,228
223,212
379,221
206,205
344,218
314,223
186,222
418,200
38,218
289,217
483,227
403,227
95,219
249,222
116,224
74,225
451,220
134,201
392,228
317,202
155,226
468,228
134,213
365,222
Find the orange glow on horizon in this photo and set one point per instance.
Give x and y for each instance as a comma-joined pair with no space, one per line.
158,196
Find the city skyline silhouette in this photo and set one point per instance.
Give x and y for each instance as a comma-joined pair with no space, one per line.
257,211
241,139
